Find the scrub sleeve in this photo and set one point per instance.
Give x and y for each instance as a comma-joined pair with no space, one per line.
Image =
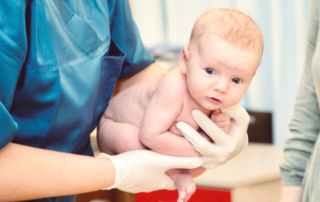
60,61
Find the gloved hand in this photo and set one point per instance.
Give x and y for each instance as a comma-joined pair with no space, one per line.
225,146
144,170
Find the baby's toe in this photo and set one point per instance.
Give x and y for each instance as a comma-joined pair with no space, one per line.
182,196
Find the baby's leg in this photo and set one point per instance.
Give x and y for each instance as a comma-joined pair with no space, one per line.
184,182
196,172
115,138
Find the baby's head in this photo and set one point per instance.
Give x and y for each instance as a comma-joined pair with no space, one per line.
223,55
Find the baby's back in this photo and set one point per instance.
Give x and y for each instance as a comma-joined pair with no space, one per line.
129,105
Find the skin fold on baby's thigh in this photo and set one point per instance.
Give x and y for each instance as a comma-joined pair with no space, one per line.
116,138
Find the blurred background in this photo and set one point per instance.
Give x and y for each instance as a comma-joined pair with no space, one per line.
165,26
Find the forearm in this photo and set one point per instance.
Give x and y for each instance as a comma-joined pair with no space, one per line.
153,70
28,173
291,194
171,144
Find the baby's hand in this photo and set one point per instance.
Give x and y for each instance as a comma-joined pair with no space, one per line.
221,120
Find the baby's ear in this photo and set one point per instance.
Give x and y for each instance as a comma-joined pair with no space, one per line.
183,62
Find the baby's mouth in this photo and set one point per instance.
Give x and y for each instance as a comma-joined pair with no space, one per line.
214,100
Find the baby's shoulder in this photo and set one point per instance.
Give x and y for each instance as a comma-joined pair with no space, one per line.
172,83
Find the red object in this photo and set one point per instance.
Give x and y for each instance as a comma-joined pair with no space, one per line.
202,194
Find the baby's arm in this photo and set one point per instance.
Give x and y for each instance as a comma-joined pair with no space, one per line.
164,107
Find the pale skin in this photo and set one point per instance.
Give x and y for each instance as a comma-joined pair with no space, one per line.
145,115
28,173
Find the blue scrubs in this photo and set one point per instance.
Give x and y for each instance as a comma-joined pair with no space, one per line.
60,61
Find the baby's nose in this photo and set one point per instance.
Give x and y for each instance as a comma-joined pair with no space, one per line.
221,85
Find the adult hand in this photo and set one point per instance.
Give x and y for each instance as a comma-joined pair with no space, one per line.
145,170
224,146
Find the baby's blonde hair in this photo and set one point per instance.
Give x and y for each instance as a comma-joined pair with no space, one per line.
231,25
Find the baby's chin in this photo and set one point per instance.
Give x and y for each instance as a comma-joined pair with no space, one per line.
210,107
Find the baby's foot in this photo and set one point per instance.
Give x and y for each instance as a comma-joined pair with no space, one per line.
186,186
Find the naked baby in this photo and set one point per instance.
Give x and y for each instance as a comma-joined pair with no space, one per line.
214,72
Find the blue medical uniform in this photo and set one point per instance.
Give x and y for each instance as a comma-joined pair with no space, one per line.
59,63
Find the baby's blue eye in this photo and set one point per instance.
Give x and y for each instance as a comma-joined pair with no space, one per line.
236,80
210,71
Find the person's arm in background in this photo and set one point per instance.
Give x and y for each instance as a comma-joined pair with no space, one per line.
305,125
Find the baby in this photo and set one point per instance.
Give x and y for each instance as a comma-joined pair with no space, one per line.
214,72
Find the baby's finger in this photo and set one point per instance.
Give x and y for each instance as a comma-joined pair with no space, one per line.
220,118
215,112
210,128
238,113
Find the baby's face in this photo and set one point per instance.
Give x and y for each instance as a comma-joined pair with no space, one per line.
218,73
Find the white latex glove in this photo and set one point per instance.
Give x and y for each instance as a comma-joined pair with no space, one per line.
144,170
225,146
